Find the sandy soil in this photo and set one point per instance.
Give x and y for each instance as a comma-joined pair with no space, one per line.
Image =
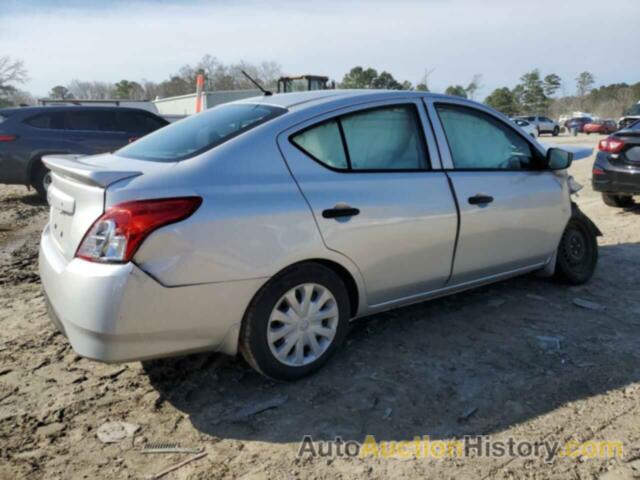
467,364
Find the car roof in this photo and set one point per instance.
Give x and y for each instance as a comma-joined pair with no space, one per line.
299,100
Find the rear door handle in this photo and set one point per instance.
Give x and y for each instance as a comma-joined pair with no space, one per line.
340,211
480,199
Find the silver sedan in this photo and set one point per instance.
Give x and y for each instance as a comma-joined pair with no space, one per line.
264,226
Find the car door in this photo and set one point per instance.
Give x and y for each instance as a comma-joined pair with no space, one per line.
367,175
512,209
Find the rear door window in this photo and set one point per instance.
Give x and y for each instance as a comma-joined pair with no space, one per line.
378,139
52,120
88,120
385,139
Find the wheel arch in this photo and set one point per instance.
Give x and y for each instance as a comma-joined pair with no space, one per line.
36,160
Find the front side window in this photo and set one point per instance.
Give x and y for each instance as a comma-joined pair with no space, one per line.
478,141
387,138
198,133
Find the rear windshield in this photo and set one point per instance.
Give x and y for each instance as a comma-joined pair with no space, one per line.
196,134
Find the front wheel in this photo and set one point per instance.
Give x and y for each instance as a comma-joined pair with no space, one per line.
295,322
577,253
619,201
556,131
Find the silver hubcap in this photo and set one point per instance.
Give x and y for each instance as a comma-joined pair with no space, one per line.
303,324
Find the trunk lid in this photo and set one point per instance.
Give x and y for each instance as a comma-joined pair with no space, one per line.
77,192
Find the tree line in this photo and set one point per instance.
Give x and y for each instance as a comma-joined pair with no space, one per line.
534,94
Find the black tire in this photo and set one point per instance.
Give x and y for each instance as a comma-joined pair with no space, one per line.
556,131
618,201
254,344
40,178
577,253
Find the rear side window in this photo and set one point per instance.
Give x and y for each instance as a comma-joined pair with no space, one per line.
53,120
196,134
478,141
324,143
91,120
379,139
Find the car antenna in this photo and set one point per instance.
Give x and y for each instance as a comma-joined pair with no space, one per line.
266,92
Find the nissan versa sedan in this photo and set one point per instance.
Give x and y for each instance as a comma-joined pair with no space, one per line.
264,226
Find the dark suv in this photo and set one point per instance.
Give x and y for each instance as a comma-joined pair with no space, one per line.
28,133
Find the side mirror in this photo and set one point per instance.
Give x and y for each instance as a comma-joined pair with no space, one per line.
558,159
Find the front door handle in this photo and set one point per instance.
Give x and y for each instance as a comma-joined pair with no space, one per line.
340,211
480,199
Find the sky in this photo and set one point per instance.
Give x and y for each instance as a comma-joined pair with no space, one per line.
104,40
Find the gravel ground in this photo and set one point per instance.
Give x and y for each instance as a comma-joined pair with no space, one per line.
470,364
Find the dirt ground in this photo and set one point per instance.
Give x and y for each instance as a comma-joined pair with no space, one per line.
471,364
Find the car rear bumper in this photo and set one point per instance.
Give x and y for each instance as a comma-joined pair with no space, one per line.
615,179
118,313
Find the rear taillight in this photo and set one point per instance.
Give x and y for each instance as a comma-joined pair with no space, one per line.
7,138
597,171
611,145
117,234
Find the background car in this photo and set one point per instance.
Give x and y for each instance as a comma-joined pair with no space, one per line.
616,170
577,123
526,126
282,218
28,133
600,126
630,116
542,124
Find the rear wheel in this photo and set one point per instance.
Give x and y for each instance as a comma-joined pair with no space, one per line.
296,322
41,179
577,253
619,201
556,131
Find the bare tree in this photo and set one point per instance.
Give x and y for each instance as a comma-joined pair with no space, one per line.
11,72
91,90
423,84
474,85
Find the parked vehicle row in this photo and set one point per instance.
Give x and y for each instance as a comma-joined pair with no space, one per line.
603,127
616,171
266,225
29,133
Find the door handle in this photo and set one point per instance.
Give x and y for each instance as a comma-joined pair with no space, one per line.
480,199
340,211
